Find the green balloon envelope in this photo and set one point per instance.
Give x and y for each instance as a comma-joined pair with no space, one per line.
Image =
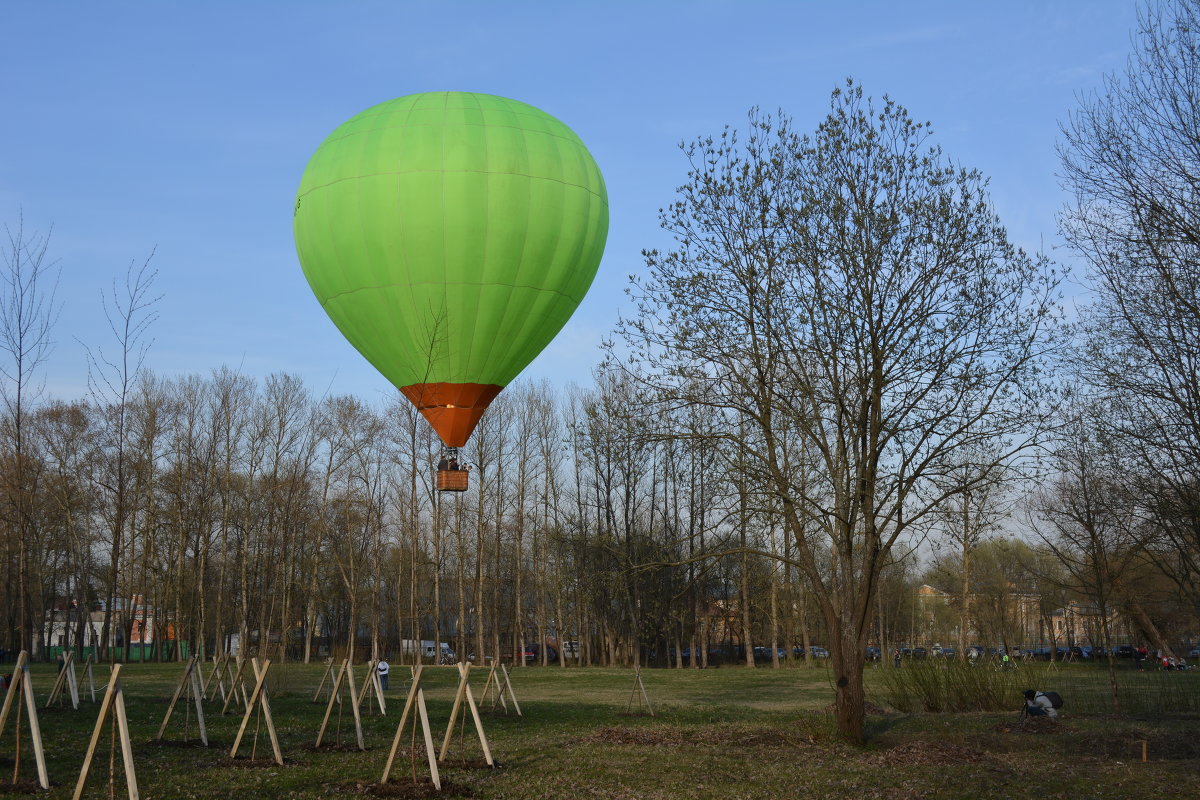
450,236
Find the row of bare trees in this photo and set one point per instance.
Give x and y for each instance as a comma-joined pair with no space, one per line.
260,514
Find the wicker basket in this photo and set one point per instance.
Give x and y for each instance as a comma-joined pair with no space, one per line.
452,480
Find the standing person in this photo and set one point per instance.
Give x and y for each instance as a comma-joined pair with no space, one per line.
383,669
896,658
1004,660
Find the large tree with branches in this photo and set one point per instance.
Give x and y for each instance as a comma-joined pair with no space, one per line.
1131,156
849,302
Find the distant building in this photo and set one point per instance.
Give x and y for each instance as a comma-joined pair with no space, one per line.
65,619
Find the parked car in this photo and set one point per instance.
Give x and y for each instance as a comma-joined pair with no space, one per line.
762,653
919,652
872,653
818,652
948,652
531,655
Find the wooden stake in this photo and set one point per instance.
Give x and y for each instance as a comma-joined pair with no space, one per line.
377,688
259,699
224,674
179,687
114,701
56,689
213,680
1145,748
326,676
72,682
464,692
366,687
638,685
493,680
190,678
87,670
372,686
65,680
416,697
198,699
23,685
345,677
236,684
206,680
511,693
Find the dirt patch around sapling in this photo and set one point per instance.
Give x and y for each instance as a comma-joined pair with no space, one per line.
404,788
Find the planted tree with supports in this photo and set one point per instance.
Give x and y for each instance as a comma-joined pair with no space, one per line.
848,297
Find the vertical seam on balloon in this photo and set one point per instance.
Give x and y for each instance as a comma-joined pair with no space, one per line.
404,239
445,313
363,246
487,228
491,345
553,261
581,242
506,347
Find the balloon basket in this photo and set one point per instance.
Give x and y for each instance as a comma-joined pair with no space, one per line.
452,480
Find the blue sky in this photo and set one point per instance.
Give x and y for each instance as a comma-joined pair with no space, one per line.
184,128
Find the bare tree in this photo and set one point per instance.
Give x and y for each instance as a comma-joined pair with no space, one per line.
112,375
1131,155
974,509
856,289
1084,516
27,316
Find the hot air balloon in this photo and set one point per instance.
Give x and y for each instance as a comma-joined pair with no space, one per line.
450,236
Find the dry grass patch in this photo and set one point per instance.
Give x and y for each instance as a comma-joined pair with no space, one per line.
930,753
719,736
1033,725
421,788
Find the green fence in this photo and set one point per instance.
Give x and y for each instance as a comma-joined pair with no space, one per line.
137,652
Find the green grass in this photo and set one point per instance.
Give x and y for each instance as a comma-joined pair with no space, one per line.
721,733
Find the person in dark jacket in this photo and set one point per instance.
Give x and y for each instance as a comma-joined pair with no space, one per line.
1037,704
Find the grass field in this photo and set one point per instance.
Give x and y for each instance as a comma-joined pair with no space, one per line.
720,733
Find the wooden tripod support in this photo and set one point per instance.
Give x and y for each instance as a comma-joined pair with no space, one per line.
66,681
345,677
189,678
87,670
235,686
415,698
327,675
258,698
22,685
464,691
644,704
493,681
216,679
114,702
371,685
